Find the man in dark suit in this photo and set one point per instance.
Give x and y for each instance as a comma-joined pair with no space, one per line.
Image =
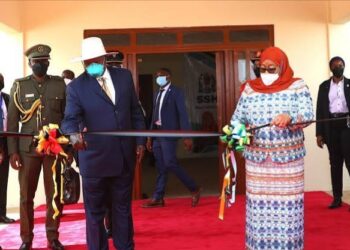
4,157
104,99
333,101
169,113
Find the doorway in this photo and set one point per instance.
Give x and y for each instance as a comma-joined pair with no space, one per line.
232,47
195,74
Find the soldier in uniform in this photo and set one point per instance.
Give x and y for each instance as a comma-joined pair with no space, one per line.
256,63
115,59
35,101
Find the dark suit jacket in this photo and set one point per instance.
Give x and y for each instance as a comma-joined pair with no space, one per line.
3,140
4,167
87,103
322,109
173,111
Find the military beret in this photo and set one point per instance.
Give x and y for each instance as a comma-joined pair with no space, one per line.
256,56
116,56
39,51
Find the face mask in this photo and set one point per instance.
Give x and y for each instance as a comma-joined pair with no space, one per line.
67,81
95,69
268,78
40,69
338,72
161,81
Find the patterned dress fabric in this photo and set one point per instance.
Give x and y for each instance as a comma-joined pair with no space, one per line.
275,167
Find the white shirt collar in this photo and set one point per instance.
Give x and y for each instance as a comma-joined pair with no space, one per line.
167,87
340,83
106,75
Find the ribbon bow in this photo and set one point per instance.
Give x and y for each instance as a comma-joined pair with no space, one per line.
49,141
236,138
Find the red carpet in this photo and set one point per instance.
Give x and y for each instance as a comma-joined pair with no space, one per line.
178,226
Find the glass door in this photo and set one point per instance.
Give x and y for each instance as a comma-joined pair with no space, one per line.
194,73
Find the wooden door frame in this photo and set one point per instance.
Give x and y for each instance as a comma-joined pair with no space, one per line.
226,66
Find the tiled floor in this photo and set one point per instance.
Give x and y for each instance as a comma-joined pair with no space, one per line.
204,171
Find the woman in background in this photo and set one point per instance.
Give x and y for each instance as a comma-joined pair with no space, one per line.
275,160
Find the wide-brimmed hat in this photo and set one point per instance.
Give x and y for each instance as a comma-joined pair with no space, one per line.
91,47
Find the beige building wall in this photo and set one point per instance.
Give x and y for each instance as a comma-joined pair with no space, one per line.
301,29
10,14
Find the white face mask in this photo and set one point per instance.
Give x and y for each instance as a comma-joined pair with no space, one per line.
161,81
67,81
268,78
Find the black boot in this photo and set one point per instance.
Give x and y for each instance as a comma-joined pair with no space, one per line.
335,203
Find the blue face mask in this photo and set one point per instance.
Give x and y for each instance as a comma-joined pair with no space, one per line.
161,81
95,69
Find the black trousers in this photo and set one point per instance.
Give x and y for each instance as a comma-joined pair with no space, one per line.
4,174
118,189
339,151
108,215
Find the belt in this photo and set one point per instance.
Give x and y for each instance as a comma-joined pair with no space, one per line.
337,115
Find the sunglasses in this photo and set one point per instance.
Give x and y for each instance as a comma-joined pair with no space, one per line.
270,70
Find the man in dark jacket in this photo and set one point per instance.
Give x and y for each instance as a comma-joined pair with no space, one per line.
333,101
169,113
4,157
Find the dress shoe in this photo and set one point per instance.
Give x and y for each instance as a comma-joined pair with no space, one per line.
153,203
5,219
335,203
55,245
26,246
196,196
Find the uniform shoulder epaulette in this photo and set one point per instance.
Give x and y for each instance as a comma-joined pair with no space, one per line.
56,77
26,78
